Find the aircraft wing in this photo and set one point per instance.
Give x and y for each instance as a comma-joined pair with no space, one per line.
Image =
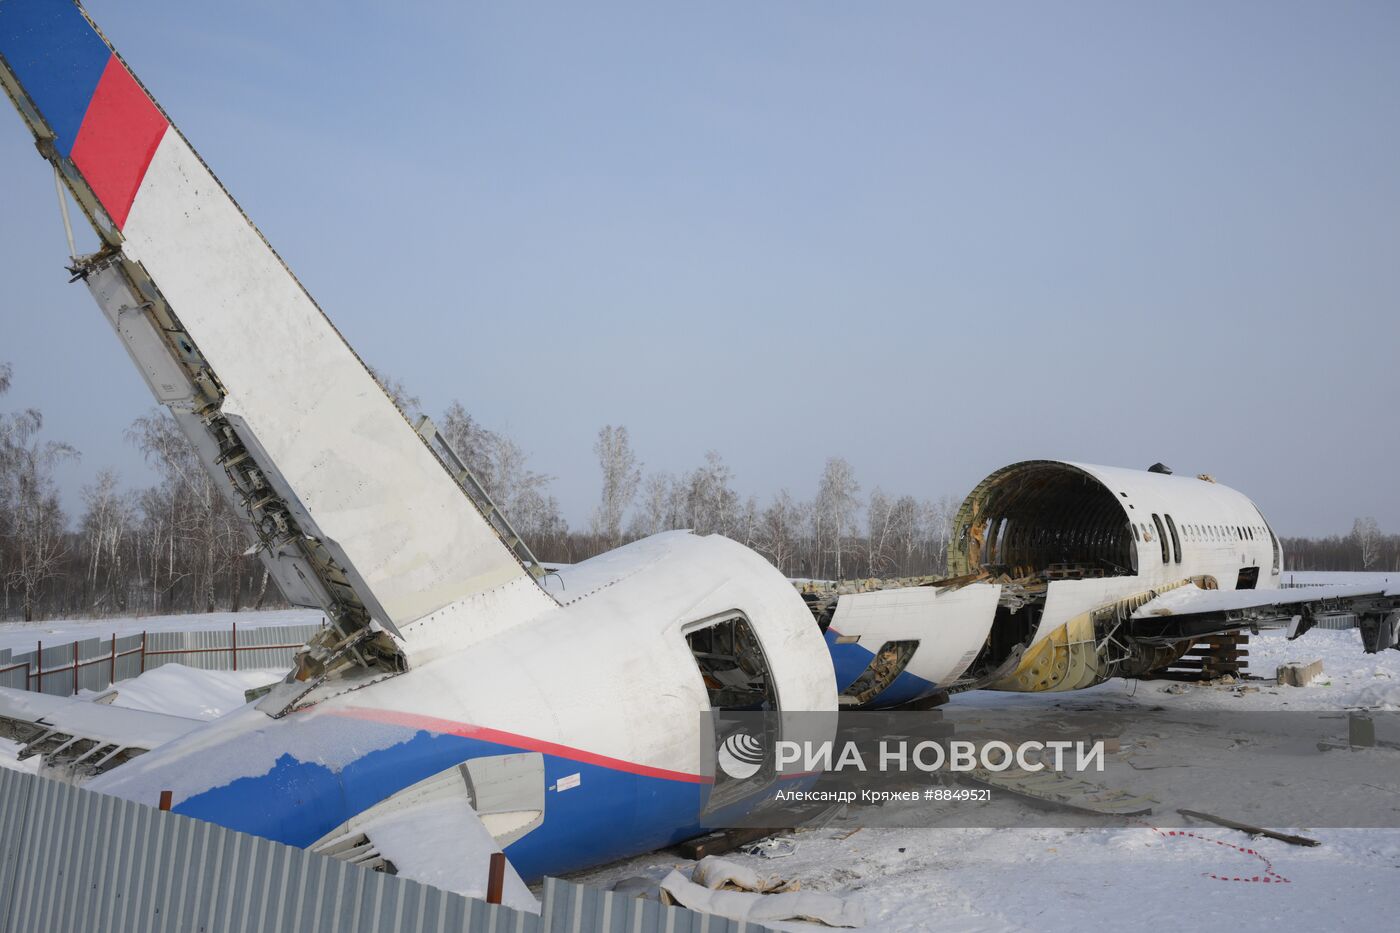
1189,611
88,737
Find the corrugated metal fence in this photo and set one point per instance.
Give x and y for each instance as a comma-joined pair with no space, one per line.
95,663
75,860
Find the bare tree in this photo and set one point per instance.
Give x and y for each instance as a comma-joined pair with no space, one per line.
106,526
398,393
835,511
779,531
907,519
621,477
656,511
31,519
502,467
881,534
472,442
712,505
938,518
1366,533
197,520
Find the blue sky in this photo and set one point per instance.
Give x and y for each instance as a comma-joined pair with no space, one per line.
932,238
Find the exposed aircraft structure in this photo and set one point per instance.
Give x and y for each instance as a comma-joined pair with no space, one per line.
444,709
1068,574
445,697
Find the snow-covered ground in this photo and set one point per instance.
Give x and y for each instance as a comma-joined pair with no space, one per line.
1086,879
1044,879
22,636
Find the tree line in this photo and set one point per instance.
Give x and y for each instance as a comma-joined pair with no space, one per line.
178,546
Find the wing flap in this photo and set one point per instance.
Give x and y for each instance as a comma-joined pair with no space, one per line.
443,830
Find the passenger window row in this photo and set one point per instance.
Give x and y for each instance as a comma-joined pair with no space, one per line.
1170,542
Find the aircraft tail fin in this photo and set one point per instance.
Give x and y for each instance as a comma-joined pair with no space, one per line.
351,507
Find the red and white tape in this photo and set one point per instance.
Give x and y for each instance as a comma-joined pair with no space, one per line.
1268,877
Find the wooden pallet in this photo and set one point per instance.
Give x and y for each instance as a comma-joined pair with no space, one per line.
1210,659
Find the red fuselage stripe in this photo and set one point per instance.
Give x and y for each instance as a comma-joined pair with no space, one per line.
515,740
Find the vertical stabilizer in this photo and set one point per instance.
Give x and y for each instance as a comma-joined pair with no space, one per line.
352,509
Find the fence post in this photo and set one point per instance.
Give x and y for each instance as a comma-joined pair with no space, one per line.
75,668
495,878
112,672
39,661
143,652
235,646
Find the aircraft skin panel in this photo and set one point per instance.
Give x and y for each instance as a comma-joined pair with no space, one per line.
408,537
950,626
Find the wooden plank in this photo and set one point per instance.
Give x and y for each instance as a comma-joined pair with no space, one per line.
1247,828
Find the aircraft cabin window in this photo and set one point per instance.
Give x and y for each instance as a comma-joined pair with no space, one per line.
1162,539
1176,542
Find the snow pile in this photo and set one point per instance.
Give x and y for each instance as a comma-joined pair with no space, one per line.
172,689
178,690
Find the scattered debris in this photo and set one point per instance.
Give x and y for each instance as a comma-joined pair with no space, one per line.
719,842
772,847
721,874
1361,733
726,889
1247,828
1299,673
1060,790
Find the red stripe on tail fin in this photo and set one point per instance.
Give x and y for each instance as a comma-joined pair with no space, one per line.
117,139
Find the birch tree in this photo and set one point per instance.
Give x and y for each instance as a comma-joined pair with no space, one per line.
711,502
880,535
503,469
32,521
621,476
1366,534
780,528
656,509
106,527
835,510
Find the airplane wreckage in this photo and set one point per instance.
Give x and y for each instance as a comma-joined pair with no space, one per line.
441,710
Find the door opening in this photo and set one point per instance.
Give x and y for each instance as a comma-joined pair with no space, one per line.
738,680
